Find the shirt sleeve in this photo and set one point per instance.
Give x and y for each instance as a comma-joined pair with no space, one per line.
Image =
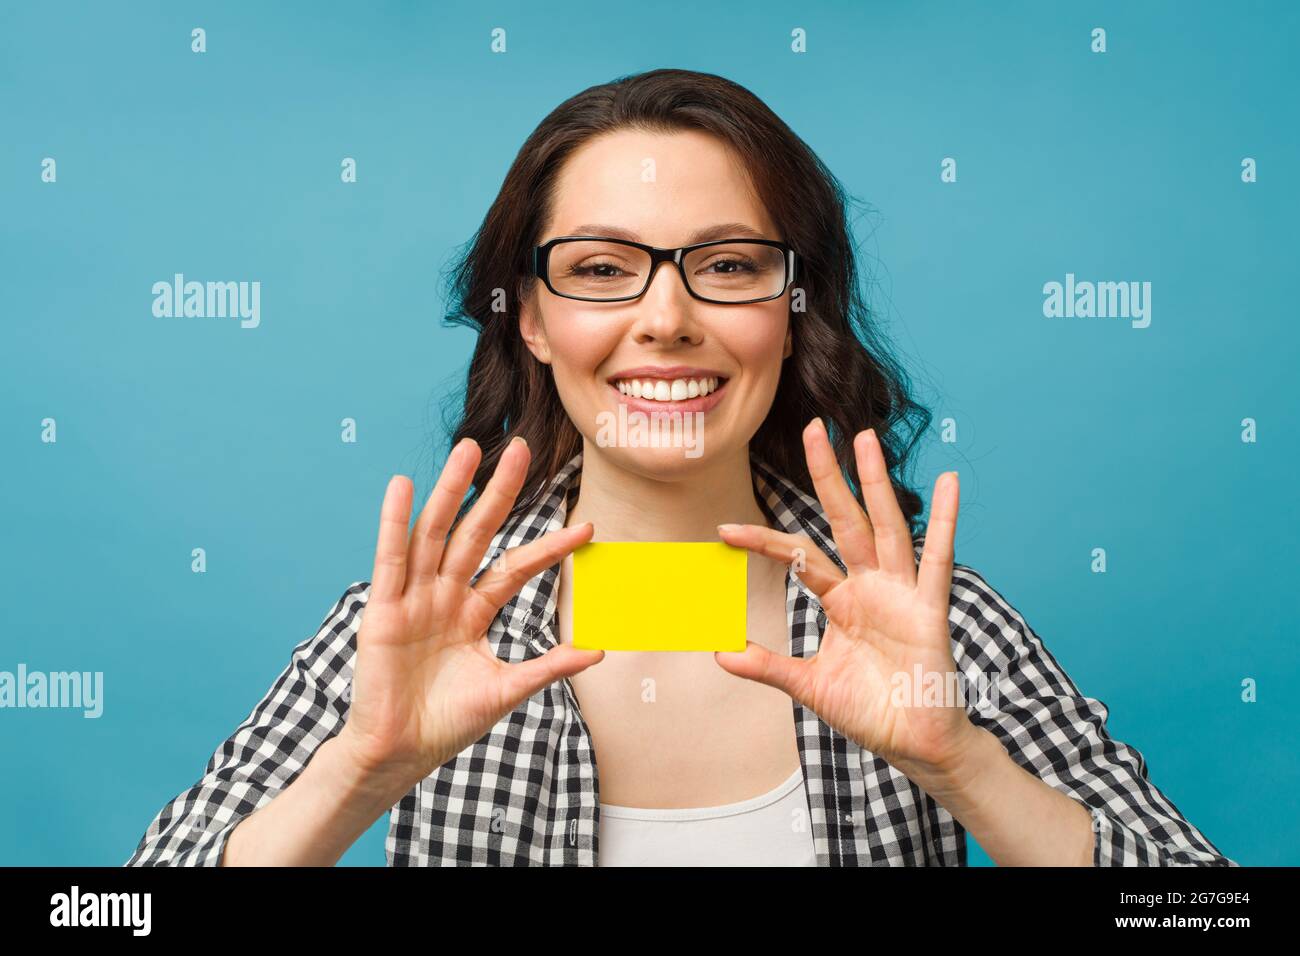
1016,689
307,705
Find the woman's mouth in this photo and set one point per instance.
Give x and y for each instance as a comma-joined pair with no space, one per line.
667,395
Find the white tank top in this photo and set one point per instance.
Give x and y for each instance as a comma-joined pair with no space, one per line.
773,829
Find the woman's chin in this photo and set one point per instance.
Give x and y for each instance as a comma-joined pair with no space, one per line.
669,443
664,461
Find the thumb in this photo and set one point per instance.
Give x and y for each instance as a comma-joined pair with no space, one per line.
757,663
525,679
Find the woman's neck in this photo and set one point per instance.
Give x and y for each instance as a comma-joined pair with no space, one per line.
625,506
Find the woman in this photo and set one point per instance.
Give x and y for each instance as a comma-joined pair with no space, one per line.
447,688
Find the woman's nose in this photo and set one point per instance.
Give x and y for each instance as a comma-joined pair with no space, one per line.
665,312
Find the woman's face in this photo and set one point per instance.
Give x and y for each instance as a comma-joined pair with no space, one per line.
667,190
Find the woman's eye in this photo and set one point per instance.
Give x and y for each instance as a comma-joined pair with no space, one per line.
733,265
599,270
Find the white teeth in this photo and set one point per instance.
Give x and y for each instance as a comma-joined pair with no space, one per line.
663,390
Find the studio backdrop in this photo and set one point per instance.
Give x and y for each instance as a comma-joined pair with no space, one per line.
1077,228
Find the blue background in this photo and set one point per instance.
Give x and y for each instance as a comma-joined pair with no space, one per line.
1072,433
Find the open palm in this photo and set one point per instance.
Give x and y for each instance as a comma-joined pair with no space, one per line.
426,683
886,618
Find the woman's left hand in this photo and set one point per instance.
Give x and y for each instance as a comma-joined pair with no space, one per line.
885,617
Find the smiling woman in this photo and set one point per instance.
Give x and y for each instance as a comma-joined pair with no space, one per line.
678,164
447,690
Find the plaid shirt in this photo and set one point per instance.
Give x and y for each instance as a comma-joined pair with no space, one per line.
526,793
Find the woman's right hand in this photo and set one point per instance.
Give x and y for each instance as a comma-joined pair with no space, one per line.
426,683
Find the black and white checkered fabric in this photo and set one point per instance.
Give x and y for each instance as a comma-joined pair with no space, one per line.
526,793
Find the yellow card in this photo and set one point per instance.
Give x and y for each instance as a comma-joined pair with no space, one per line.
659,596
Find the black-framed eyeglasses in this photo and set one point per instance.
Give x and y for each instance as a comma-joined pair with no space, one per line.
729,271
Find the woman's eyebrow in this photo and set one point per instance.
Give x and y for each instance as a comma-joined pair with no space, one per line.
723,230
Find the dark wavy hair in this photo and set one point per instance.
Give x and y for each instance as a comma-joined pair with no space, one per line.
839,369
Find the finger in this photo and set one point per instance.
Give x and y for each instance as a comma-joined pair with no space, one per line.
390,551
464,552
525,679
849,525
757,663
507,575
860,461
934,579
818,571
430,534
894,548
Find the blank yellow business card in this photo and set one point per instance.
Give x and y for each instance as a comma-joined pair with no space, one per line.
659,596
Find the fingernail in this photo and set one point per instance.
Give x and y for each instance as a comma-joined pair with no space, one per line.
520,439
725,528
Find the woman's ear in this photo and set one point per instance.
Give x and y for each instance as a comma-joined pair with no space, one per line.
789,343
534,336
